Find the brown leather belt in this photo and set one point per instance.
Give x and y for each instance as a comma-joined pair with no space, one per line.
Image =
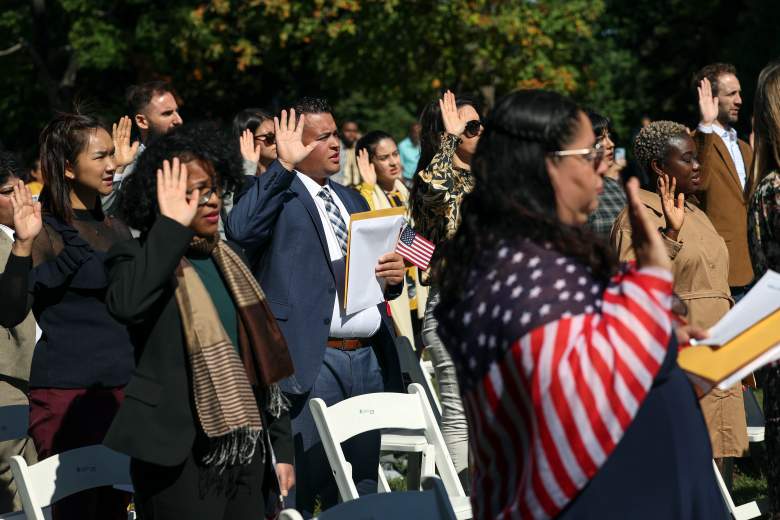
347,343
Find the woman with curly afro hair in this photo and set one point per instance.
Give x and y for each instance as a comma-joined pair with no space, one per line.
203,409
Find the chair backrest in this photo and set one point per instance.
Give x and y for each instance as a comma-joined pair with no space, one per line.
14,421
62,475
413,372
431,504
369,412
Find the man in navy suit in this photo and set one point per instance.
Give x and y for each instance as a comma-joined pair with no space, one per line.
292,221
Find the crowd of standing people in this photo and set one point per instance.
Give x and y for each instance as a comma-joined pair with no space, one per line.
171,289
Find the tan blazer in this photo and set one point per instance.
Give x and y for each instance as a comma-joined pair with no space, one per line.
17,343
725,202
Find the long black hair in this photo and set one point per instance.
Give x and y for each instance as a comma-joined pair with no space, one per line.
61,142
433,126
513,196
205,142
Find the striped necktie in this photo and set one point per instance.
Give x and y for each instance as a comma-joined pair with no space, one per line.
336,220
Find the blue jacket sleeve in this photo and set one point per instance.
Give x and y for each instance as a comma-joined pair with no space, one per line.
251,221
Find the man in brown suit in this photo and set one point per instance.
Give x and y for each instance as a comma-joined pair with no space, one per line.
725,166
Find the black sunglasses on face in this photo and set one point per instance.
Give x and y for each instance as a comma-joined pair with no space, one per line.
269,138
473,128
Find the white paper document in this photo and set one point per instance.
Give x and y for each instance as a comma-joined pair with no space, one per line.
371,235
762,300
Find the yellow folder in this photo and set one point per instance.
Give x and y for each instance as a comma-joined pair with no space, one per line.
716,364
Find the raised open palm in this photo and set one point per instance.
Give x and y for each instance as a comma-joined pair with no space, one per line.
27,214
648,246
708,105
365,168
673,207
249,151
453,123
290,149
172,193
124,152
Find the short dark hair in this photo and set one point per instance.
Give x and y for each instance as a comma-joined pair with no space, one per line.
139,96
370,141
206,142
9,166
312,105
61,142
249,119
712,72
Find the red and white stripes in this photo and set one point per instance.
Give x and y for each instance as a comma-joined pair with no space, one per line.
548,414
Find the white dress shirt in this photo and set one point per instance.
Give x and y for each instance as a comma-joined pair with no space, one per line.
729,138
362,324
10,232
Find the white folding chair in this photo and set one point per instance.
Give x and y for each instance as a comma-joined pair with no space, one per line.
13,516
62,475
755,433
14,421
410,412
428,371
290,514
743,512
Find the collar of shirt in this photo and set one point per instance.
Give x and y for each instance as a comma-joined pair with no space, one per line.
728,135
314,188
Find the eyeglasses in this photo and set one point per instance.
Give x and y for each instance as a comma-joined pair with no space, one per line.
473,128
593,155
205,196
269,138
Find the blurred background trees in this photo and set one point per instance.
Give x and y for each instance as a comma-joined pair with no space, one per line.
377,61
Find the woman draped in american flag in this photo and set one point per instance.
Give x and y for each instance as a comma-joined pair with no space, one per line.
566,363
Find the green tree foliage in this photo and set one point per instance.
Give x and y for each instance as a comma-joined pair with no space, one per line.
378,61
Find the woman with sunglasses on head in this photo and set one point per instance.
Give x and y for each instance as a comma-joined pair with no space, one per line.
204,418
254,129
700,262
567,364
381,170
84,357
450,132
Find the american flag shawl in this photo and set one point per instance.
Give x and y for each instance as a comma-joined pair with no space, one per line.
553,367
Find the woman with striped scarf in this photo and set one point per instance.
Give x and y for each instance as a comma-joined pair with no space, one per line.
203,420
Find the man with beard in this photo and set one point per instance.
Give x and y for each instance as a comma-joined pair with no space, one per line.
725,167
155,112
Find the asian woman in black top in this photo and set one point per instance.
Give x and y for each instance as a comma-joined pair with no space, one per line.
84,357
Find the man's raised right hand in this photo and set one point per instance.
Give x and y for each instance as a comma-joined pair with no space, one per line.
290,149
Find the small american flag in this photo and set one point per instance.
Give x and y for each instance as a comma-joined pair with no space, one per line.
415,248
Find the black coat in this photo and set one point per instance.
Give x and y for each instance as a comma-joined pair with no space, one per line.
157,422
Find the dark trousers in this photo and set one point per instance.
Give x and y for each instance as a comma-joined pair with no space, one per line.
343,375
188,491
63,419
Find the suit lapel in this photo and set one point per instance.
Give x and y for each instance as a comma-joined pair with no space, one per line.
344,195
304,196
720,146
